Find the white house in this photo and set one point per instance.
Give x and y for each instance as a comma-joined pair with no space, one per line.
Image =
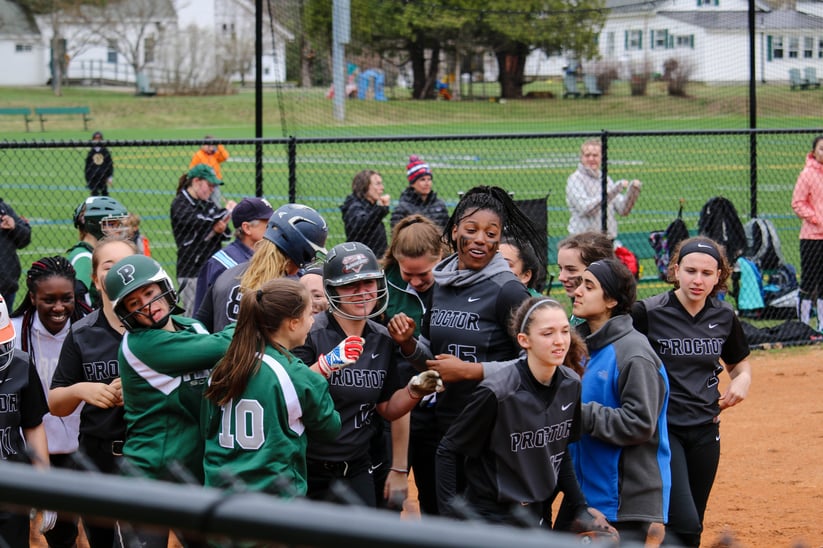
711,35
21,47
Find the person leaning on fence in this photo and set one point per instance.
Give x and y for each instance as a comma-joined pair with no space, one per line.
99,169
807,203
95,390
41,323
198,226
364,210
249,218
691,330
419,197
584,191
15,233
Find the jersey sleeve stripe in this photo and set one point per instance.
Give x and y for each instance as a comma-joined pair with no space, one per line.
293,407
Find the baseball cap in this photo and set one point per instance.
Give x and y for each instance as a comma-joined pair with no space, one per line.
204,171
6,335
250,209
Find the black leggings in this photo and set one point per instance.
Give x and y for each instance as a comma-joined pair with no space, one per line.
695,456
811,269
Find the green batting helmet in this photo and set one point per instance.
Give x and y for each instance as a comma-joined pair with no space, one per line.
95,211
129,275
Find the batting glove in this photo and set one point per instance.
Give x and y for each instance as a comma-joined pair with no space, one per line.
345,353
425,383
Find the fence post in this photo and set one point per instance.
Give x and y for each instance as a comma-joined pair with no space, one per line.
752,173
604,181
292,169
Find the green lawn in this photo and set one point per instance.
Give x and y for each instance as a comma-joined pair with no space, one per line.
45,183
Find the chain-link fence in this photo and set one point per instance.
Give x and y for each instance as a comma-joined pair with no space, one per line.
756,170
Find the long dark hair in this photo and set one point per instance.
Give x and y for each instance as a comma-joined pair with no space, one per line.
262,312
516,225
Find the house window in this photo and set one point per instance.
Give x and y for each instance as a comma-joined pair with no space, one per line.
148,49
684,41
660,39
704,3
111,57
820,48
610,43
777,47
22,48
794,46
808,47
634,40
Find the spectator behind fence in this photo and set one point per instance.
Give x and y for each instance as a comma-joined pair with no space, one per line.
15,233
41,323
584,191
95,339
364,210
199,228
99,167
807,202
419,197
692,330
249,219
212,154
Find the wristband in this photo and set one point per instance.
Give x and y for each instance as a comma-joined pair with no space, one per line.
399,470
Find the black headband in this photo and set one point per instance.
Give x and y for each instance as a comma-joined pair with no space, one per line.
607,278
700,247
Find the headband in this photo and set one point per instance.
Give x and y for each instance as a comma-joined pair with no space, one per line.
700,247
531,310
607,278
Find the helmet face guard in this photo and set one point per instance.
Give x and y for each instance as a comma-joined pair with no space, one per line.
349,263
6,353
101,216
7,336
299,232
133,273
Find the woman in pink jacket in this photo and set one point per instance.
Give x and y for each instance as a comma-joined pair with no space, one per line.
807,202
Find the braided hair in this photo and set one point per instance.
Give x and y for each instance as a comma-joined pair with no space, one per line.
516,225
40,270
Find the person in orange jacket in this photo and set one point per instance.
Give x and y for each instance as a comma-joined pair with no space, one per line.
212,154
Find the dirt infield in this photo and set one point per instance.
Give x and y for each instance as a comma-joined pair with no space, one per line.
769,488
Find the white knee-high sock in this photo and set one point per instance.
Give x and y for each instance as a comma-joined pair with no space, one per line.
804,310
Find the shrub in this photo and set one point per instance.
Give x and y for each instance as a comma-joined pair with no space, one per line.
677,74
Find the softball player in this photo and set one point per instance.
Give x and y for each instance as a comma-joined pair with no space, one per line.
473,296
42,322
294,236
359,359
690,329
262,407
87,372
622,458
515,428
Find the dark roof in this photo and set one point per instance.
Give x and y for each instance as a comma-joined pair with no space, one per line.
739,20
16,21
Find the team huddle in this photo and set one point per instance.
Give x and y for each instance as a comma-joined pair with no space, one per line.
304,370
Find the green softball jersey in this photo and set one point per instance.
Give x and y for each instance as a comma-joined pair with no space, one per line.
260,438
163,375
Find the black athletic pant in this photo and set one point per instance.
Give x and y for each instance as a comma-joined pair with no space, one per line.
64,532
354,475
695,456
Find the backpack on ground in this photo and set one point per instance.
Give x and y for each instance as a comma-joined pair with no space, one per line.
720,222
763,244
664,242
781,293
747,284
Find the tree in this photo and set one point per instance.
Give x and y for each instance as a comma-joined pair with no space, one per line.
513,30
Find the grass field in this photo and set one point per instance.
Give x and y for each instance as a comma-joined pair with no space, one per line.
45,182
